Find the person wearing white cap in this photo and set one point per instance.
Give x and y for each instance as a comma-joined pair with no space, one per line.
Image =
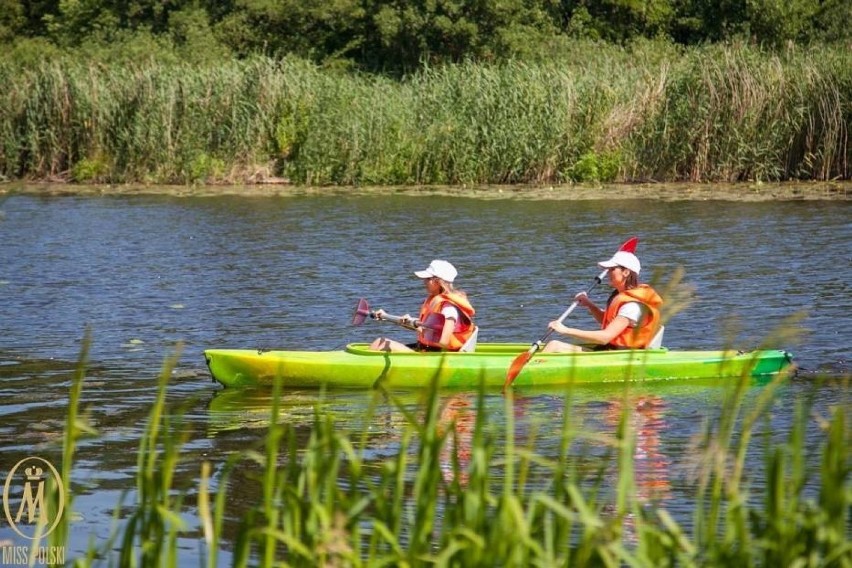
630,319
446,315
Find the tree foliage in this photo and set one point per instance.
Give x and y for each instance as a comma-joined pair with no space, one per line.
398,36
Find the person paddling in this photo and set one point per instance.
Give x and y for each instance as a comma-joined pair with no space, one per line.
445,305
631,317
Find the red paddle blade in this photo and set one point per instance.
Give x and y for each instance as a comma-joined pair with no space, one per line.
515,368
630,245
362,310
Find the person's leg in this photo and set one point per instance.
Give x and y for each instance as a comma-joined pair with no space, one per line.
557,346
385,344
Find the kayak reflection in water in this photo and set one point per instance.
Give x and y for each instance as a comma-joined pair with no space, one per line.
457,422
446,316
647,418
631,318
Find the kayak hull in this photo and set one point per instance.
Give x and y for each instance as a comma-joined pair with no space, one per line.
357,367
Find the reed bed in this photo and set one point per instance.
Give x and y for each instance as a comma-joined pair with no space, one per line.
322,505
602,113
738,115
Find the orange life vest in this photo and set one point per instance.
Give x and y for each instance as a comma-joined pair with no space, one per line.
464,328
640,336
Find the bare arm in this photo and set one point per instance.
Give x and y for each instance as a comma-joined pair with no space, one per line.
447,333
583,299
601,336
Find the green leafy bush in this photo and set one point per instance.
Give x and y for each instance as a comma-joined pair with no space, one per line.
90,170
595,167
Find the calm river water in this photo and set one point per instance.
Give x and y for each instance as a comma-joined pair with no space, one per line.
146,272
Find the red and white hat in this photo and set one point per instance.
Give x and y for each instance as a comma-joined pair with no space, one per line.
624,259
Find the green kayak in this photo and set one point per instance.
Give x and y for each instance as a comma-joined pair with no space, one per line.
357,367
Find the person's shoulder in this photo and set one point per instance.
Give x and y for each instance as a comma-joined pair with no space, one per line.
450,311
455,296
631,310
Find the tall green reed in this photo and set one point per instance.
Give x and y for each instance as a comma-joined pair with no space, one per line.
734,114
77,425
151,531
460,492
717,113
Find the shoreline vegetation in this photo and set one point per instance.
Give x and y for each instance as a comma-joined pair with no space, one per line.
740,192
597,115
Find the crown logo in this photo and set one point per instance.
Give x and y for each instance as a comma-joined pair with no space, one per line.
33,507
33,473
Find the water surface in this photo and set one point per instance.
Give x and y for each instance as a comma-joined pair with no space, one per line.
145,273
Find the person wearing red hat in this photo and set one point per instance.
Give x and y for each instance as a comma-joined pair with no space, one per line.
631,318
445,306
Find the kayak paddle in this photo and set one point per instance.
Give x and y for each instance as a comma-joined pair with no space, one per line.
362,310
522,359
434,322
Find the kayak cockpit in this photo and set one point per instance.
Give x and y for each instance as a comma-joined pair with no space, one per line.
481,348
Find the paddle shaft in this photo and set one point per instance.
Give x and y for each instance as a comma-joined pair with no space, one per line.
435,322
540,343
398,320
431,322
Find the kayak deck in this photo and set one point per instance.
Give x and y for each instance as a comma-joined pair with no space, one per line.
359,367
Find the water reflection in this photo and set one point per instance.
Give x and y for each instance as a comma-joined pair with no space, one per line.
458,420
377,420
646,420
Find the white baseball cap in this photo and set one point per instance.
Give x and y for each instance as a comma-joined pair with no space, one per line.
439,269
623,258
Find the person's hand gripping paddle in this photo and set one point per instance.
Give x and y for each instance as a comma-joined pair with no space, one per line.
522,359
434,322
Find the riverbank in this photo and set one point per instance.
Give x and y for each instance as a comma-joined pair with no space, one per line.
742,192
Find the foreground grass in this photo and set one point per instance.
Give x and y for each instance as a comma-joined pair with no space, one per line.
322,505
710,114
